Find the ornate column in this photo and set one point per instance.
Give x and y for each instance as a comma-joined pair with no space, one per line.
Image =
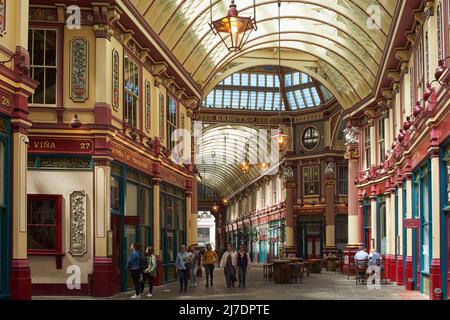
288,175
20,274
409,273
103,20
400,275
352,155
156,217
394,246
373,222
435,267
389,228
330,192
103,267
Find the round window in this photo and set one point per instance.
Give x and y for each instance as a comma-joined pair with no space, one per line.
310,138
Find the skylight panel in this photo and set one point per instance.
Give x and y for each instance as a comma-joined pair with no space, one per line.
236,79
261,100
252,103
218,99
305,78
236,94
244,79
253,80
269,100
227,98
315,96
296,80
308,98
291,99
300,101
262,80
244,100
288,80
228,81
270,81
210,99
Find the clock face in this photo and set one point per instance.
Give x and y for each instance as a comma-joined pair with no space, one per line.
310,138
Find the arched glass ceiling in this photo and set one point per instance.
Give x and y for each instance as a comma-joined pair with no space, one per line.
222,148
259,89
338,34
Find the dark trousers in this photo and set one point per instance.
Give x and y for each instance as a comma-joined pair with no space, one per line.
147,277
242,274
209,270
184,276
230,276
136,275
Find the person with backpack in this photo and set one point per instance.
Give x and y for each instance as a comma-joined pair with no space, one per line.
182,266
134,265
148,273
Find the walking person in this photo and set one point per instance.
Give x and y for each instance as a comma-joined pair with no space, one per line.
134,266
228,263
183,265
148,274
243,262
209,259
195,258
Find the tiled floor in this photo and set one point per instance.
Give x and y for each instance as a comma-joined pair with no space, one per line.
324,286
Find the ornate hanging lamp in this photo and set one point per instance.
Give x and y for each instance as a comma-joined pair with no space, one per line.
245,165
233,29
281,138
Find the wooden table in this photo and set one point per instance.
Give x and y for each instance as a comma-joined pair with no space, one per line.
281,271
314,265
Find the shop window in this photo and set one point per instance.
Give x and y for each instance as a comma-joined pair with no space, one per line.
311,181
343,179
426,225
310,138
171,121
381,140
42,46
131,199
368,147
44,224
131,91
115,193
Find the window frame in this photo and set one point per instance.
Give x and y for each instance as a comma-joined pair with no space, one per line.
304,132
58,222
344,180
368,147
381,140
59,94
309,182
169,125
131,58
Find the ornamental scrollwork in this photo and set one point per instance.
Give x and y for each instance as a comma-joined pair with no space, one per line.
77,223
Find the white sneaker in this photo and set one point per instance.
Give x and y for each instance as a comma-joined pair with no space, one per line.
135,297
149,295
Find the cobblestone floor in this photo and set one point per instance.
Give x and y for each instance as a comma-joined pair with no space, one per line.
324,286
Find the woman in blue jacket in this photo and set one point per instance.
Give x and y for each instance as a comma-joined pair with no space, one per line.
134,266
182,266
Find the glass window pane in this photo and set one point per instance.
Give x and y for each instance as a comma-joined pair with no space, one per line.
50,86
252,100
315,96
38,49
308,98
244,100
296,80
291,99
236,79
305,78
261,80
270,81
50,48
244,79
261,100
227,98
39,75
228,81
218,102
288,80
277,81
300,101
210,100
253,80
131,200
269,100
236,95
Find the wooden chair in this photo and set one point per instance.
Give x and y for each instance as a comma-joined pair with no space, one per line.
268,272
351,266
296,271
361,271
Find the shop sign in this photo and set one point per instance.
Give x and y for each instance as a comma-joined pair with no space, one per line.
412,223
125,156
55,145
6,100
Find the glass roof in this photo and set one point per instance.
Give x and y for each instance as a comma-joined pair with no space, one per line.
259,90
343,44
